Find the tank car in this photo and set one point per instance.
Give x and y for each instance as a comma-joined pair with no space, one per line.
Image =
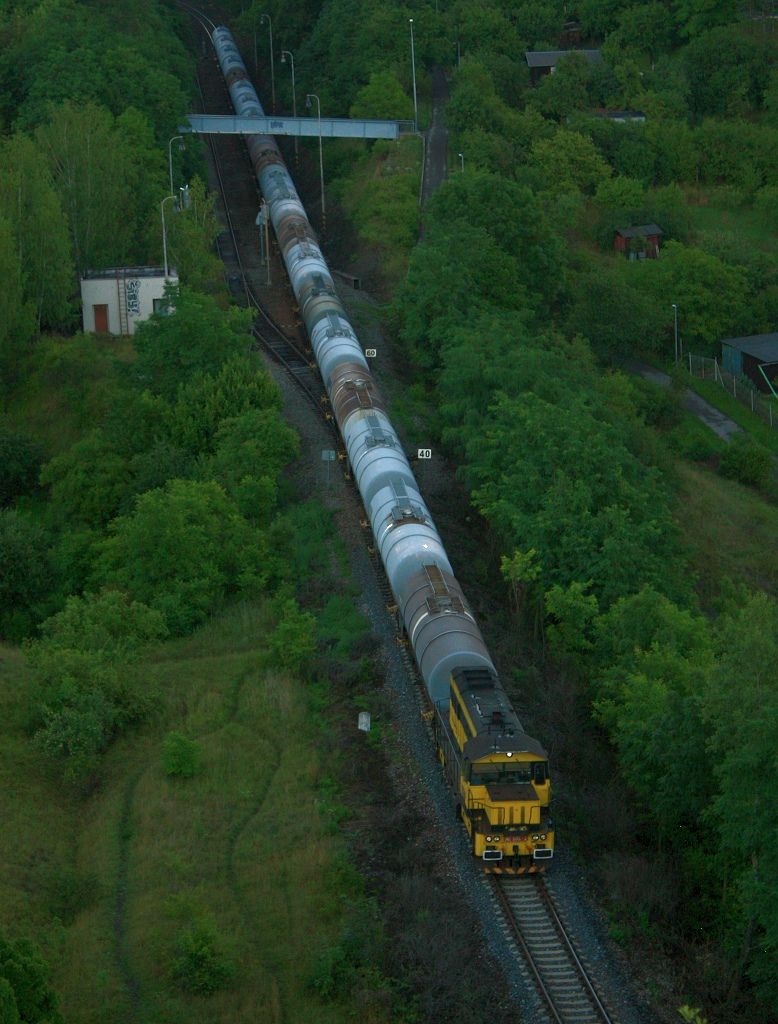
447,644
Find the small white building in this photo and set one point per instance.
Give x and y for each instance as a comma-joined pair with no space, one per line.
116,299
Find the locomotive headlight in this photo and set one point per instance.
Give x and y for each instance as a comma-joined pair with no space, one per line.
543,836
488,839
536,837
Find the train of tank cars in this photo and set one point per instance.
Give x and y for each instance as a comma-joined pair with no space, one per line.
498,774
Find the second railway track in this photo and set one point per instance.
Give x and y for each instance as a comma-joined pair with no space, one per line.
292,354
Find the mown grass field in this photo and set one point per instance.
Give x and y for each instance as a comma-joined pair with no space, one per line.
712,218
109,882
729,531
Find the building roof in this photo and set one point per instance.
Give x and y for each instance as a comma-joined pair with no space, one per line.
113,272
763,347
550,58
640,230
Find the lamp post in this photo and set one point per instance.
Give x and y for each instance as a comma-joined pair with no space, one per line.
413,74
164,232
266,17
312,96
170,156
290,55
675,320
461,162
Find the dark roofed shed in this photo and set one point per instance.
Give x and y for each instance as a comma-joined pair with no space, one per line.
754,356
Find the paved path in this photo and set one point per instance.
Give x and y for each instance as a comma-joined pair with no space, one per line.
709,414
436,141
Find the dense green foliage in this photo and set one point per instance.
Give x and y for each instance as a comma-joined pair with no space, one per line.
25,995
510,308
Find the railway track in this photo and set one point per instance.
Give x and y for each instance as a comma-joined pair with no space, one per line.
533,926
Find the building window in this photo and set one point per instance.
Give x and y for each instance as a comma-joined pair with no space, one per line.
161,307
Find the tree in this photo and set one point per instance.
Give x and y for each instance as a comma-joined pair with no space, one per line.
87,482
30,202
382,97
744,737
725,69
191,235
646,27
569,162
182,551
712,297
208,399
17,317
197,337
513,218
27,579
652,661
461,271
747,461
616,316
20,460
250,452
91,167
293,641
697,16
106,623
86,688
558,95
25,975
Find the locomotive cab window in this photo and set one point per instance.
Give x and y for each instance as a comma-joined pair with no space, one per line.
503,771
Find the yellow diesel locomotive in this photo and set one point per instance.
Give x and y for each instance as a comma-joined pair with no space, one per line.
498,775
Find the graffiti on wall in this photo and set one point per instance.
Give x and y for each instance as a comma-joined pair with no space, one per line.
133,297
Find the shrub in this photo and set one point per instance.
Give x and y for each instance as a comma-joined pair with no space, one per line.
181,756
746,461
20,462
202,966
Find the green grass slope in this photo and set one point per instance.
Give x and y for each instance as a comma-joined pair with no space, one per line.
141,887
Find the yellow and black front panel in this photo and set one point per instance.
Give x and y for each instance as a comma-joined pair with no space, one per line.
507,801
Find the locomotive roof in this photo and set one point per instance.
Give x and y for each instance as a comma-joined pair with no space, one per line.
498,727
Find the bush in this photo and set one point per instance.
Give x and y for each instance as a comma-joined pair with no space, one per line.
747,462
20,462
181,756
202,966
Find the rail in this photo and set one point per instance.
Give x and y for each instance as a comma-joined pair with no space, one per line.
559,974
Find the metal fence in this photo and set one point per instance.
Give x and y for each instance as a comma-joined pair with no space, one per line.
740,387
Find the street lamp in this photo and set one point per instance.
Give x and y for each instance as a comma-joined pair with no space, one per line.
170,156
675,318
164,232
266,17
312,96
290,55
413,73
461,161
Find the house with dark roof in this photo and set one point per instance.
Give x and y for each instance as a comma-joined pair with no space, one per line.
544,62
640,242
755,357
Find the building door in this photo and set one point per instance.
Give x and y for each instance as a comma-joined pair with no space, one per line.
101,319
